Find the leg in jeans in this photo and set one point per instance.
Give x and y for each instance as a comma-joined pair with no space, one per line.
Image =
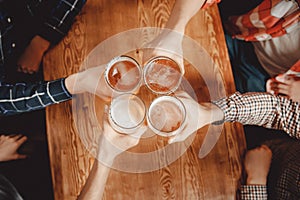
248,73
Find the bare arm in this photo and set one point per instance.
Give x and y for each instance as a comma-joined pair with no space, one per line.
95,184
182,12
111,145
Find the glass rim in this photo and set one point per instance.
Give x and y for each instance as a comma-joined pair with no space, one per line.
119,59
129,95
181,107
146,67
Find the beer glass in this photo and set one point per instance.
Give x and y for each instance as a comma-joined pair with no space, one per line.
162,75
166,116
123,74
127,113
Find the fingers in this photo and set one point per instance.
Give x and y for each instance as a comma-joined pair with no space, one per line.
269,85
20,156
182,94
21,140
17,138
283,89
140,132
28,70
275,86
183,135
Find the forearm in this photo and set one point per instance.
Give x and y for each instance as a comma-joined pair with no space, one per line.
25,97
262,109
182,12
95,184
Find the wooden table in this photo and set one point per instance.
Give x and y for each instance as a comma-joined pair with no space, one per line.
216,176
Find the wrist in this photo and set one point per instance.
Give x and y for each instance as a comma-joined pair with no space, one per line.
41,42
217,114
70,84
259,180
2,158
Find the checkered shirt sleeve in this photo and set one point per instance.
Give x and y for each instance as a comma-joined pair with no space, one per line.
24,97
254,192
262,109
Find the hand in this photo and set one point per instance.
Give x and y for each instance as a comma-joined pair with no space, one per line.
169,44
257,164
285,84
197,116
91,80
9,146
30,60
113,143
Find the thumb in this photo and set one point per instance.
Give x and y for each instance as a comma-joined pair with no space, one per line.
21,156
17,156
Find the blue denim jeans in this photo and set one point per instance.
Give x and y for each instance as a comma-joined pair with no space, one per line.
249,75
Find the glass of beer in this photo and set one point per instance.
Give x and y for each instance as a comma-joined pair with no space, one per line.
127,113
123,74
166,116
162,75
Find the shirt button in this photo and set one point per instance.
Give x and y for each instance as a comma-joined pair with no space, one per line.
8,19
13,45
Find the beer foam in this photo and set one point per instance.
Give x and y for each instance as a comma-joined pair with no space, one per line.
162,75
123,74
166,114
126,112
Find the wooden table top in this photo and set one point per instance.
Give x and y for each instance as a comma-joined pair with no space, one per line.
216,176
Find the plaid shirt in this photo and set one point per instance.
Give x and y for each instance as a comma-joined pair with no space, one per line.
254,192
271,18
262,109
23,97
284,175
19,21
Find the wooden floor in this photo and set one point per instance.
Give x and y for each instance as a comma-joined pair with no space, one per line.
217,176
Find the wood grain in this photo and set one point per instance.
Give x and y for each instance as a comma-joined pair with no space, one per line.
217,176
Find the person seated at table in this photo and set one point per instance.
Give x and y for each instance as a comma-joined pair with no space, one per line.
265,163
262,36
255,108
9,145
29,28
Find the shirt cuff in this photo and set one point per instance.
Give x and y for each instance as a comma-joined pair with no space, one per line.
57,91
254,192
229,110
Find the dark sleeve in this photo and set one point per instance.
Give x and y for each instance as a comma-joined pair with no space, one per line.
24,97
8,190
56,17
